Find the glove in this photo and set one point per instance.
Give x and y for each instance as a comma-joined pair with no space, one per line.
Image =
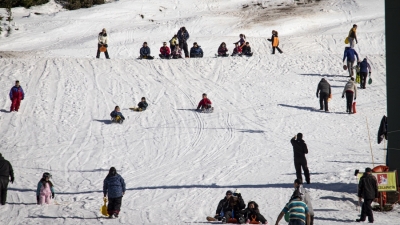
317,95
37,199
52,195
12,180
106,45
101,43
356,42
342,96
355,98
369,73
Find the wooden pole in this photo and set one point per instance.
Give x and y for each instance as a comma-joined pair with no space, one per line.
370,145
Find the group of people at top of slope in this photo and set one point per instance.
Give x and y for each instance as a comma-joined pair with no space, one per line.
324,91
179,42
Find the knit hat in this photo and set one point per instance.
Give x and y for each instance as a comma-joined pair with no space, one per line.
112,171
368,170
237,192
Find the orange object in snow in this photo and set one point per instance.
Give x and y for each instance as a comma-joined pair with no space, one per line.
354,107
103,49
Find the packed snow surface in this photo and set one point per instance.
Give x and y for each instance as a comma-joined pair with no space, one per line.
178,163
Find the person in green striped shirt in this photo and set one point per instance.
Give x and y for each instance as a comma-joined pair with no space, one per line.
298,211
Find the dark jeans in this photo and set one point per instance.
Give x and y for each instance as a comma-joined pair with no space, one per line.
192,55
323,100
98,52
114,205
273,50
311,220
296,222
349,101
183,45
172,47
363,78
366,210
3,189
302,163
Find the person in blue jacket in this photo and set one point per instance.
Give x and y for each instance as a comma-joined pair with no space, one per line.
16,95
350,54
114,188
365,68
145,52
116,115
196,51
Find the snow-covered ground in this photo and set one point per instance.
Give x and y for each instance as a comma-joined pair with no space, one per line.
178,163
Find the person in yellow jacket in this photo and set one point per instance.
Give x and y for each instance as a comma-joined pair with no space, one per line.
353,36
173,42
275,42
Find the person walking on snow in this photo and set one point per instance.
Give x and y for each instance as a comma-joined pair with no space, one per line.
298,211
114,188
6,176
365,68
165,52
324,91
205,103
103,41
353,36
299,151
183,36
275,42
350,54
16,95
305,197
351,91
145,52
44,191
367,189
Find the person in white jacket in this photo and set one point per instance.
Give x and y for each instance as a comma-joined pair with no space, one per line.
103,41
305,197
350,89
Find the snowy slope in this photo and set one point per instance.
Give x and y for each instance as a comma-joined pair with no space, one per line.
178,163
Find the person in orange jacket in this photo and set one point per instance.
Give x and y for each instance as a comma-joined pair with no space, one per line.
275,42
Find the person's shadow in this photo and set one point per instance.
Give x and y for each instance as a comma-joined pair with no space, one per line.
4,111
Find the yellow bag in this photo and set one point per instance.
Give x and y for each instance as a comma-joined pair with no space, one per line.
346,41
103,208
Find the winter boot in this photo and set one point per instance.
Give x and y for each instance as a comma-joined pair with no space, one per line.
223,220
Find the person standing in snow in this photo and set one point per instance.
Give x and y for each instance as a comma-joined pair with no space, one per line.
324,91
300,150
45,190
367,189
205,103
298,211
351,91
114,188
353,36
165,52
183,36
6,176
103,41
173,42
305,197
275,42
16,95
145,52
350,54
364,69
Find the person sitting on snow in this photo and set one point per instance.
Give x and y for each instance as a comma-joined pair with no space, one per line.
44,191
205,103
176,53
165,51
237,50
252,214
145,52
246,50
116,115
196,51
142,104
222,50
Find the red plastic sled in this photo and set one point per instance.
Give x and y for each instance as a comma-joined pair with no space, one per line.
354,107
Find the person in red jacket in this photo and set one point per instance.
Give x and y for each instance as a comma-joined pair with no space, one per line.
237,50
165,52
205,103
16,95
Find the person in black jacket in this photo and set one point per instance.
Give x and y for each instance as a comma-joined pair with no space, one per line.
246,50
324,91
183,36
231,203
367,189
223,205
252,213
300,150
6,172
142,104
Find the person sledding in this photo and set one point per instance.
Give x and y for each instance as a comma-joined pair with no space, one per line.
45,190
103,42
275,42
196,51
16,95
204,104
252,214
246,50
237,50
165,51
222,50
145,52
242,40
232,203
114,188
116,115
176,53
142,105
